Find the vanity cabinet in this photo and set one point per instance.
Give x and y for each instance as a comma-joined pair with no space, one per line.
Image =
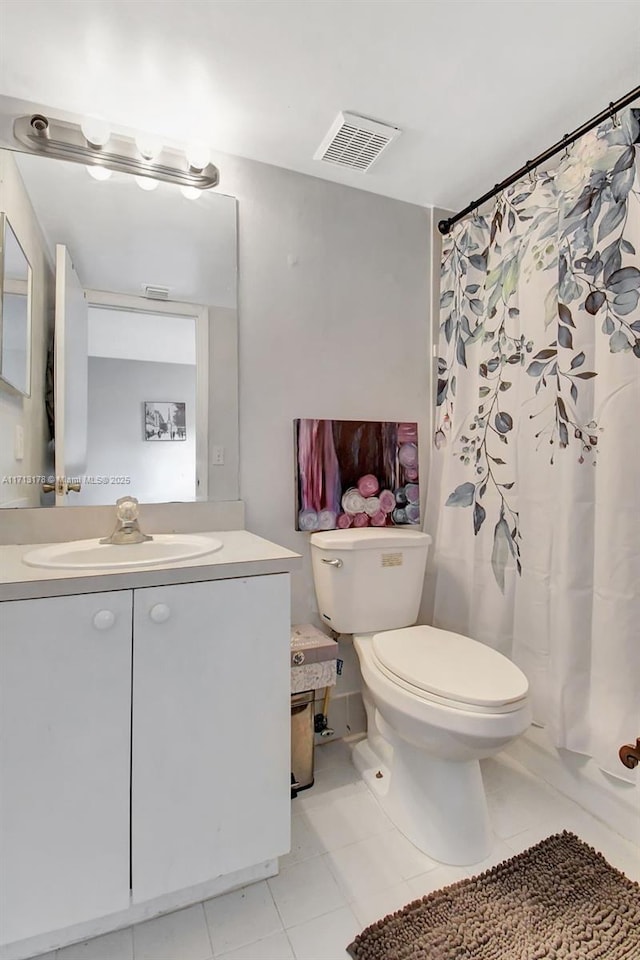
143,745
211,767
65,707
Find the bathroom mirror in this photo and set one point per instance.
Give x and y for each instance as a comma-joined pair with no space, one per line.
139,288
15,311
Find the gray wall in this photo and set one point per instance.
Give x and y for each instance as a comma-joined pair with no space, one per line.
335,321
334,314
430,510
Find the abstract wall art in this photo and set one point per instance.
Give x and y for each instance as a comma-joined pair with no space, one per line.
356,473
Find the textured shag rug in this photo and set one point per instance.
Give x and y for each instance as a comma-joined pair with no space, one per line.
557,900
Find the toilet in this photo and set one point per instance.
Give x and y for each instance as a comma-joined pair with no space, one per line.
436,702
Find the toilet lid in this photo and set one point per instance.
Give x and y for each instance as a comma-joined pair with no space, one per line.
449,665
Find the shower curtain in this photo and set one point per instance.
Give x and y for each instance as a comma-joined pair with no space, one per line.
535,475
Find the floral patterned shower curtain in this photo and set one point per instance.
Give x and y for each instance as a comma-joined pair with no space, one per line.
535,478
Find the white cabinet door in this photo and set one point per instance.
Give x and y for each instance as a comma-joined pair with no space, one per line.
65,695
211,721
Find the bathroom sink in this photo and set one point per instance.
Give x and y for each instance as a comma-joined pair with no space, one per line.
93,555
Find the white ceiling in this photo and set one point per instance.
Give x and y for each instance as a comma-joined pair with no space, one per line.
477,87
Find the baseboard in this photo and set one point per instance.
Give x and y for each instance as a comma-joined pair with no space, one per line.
23,949
346,716
579,778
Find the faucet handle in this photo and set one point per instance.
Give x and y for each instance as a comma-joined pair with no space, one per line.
127,509
127,529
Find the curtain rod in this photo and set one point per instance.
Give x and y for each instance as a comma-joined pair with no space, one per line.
444,226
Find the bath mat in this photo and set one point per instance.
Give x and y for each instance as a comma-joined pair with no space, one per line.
559,900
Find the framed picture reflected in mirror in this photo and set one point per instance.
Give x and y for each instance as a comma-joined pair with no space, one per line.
165,420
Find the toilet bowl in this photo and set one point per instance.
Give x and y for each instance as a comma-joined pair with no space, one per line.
436,702
426,734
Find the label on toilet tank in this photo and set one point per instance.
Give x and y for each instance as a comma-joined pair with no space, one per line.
392,559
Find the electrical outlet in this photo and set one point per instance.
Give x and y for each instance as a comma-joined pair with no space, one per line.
18,443
218,456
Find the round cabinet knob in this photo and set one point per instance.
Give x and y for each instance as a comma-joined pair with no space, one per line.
104,619
159,613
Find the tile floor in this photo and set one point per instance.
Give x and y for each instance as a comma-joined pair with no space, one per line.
348,867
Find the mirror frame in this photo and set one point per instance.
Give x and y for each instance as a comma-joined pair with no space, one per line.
4,223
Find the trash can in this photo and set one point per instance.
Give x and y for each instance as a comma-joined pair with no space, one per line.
302,740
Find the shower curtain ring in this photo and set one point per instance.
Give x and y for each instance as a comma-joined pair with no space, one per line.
566,147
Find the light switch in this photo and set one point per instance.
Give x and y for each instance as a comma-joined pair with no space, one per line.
218,456
18,442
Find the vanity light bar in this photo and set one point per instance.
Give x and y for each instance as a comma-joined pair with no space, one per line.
66,141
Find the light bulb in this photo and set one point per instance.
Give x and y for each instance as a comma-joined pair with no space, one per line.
99,173
191,193
197,156
97,132
149,147
146,183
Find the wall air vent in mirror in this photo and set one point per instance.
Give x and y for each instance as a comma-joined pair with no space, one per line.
355,142
156,293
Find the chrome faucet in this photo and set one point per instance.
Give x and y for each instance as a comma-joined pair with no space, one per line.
127,528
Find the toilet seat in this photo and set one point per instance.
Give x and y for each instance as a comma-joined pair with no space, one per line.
450,669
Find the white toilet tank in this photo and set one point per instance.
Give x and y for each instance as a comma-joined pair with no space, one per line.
369,579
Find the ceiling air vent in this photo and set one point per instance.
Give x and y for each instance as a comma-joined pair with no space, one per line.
156,293
355,142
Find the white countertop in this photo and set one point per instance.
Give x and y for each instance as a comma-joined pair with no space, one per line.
242,555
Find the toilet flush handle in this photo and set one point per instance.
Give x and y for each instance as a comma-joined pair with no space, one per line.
333,563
